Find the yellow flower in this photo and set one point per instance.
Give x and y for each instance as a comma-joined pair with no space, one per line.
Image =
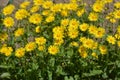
37,29
24,4
74,44
98,7
45,12
83,54
19,32
21,14
94,55
8,9
80,12
20,52
95,45
112,20
3,36
73,34
52,49
50,18
41,48
111,39
108,1
64,22
7,51
103,49
58,29
92,29
30,46
82,49
117,14
34,9
117,4
118,43
56,8
58,35
100,32
8,22
82,39
84,27
88,43
74,23
35,18
40,40
93,16
72,6
117,36
47,4
64,13
58,41
38,2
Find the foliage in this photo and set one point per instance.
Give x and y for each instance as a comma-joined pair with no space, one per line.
42,40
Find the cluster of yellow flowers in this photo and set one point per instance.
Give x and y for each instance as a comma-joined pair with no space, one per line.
54,25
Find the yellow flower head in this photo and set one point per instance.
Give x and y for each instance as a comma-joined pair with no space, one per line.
35,18
93,16
30,46
117,14
98,6
74,23
118,43
50,18
103,49
7,51
80,12
117,4
92,29
19,32
52,49
82,39
24,4
73,34
47,4
84,27
37,29
82,49
21,14
100,32
45,12
58,42
40,40
84,54
94,55
34,9
74,44
64,13
41,48
8,22
38,2
111,39
8,9
3,36
64,22
20,52
88,43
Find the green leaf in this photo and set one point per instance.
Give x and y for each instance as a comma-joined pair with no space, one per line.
35,66
104,76
52,62
70,53
5,75
59,71
96,72
5,67
49,75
